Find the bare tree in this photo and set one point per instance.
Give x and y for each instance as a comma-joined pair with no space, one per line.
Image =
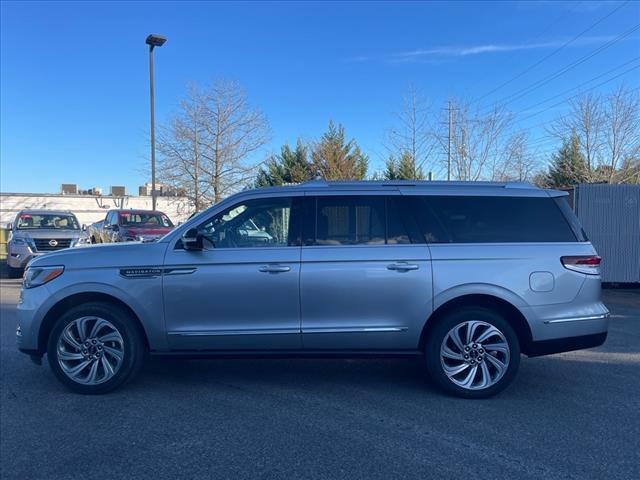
622,134
586,120
412,137
478,143
518,164
608,129
205,148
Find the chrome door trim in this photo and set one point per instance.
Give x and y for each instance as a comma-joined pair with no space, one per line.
354,329
213,333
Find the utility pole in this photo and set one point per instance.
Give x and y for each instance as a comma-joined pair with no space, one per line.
153,41
449,143
197,165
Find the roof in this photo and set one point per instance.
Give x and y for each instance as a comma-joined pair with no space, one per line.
43,211
134,210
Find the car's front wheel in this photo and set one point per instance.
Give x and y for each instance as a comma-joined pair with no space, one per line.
472,352
95,347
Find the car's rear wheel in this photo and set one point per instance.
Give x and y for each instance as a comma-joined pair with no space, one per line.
95,347
472,352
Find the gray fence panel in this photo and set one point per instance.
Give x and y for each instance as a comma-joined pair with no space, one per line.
610,214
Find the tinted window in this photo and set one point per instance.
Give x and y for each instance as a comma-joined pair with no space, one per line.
477,219
402,226
422,225
571,218
350,220
253,223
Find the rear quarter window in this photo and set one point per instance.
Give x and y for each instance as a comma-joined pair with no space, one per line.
480,219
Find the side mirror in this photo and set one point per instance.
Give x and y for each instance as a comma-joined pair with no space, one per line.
84,227
9,226
192,239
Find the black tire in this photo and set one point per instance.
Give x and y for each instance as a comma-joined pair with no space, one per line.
14,272
133,345
442,328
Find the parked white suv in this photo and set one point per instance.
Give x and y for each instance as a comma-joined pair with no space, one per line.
35,232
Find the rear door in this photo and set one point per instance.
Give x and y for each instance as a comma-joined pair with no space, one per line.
364,284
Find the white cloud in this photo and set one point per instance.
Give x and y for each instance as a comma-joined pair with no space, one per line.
463,51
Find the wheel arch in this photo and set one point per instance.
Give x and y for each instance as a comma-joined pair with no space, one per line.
76,299
505,308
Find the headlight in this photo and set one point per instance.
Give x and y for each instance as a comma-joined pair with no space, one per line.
18,241
82,241
36,276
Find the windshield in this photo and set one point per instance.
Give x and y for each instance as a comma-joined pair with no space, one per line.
129,219
29,221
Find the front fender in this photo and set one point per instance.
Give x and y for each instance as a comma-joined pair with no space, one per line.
149,313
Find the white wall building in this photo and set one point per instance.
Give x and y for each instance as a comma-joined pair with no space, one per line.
88,208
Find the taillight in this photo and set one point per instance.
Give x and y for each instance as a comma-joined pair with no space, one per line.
589,264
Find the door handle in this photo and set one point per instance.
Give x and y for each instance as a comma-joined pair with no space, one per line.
403,267
274,268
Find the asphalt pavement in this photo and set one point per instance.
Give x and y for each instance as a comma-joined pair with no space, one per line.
571,416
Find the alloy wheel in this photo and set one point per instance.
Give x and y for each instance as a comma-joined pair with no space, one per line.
90,350
474,355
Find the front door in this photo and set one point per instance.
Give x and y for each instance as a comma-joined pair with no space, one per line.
366,276
242,290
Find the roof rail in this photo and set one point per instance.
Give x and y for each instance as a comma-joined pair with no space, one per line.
319,182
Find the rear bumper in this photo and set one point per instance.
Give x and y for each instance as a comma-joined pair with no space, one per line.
547,347
567,320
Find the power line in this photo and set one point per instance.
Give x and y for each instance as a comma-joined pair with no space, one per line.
584,83
548,56
534,86
581,93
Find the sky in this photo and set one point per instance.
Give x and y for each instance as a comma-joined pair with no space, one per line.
74,84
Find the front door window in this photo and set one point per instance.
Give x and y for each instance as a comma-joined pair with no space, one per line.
253,223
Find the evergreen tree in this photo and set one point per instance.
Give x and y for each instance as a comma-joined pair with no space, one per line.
335,159
403,168
568,166
290,166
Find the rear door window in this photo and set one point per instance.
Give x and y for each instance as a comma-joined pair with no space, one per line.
360,220
350,220
480,219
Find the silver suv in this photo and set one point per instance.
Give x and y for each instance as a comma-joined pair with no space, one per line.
468,276
35,232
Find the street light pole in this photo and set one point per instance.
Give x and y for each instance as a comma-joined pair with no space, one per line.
153,41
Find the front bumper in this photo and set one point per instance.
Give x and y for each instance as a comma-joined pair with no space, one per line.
29,313
18,256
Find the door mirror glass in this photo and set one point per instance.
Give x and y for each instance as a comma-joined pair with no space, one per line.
9,226
192,239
